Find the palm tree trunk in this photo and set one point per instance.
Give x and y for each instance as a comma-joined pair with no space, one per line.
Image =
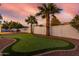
9,28
31,29
47,25
0,27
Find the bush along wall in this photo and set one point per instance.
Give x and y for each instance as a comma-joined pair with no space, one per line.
75,22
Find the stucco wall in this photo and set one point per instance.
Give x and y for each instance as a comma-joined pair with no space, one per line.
39,30
61,30
65,31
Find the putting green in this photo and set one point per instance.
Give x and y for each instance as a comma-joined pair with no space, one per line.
29,43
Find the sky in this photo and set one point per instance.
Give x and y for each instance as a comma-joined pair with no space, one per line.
19,11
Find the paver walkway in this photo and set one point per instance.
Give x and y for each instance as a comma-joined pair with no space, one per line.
4,43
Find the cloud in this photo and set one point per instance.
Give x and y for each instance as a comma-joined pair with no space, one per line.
20,11
64,17
72,8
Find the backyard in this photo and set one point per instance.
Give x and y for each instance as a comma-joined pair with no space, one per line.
39,30
28,44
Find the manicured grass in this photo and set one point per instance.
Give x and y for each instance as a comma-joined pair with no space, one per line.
28,44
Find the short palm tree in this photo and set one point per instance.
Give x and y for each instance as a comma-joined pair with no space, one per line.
31,20
45,11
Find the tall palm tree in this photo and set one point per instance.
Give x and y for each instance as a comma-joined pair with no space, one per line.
45,11
31,20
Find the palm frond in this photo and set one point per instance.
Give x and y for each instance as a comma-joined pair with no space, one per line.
31,20
38,14
44,6
40,8
26,20
43,16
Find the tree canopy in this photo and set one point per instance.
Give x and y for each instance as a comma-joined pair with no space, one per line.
11,24
55,21
75,22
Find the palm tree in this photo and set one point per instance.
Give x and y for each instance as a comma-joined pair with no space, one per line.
45,11
31,20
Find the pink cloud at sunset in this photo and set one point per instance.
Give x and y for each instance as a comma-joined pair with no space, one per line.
18,12
71,8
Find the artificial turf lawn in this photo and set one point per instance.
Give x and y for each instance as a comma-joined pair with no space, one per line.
28,44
